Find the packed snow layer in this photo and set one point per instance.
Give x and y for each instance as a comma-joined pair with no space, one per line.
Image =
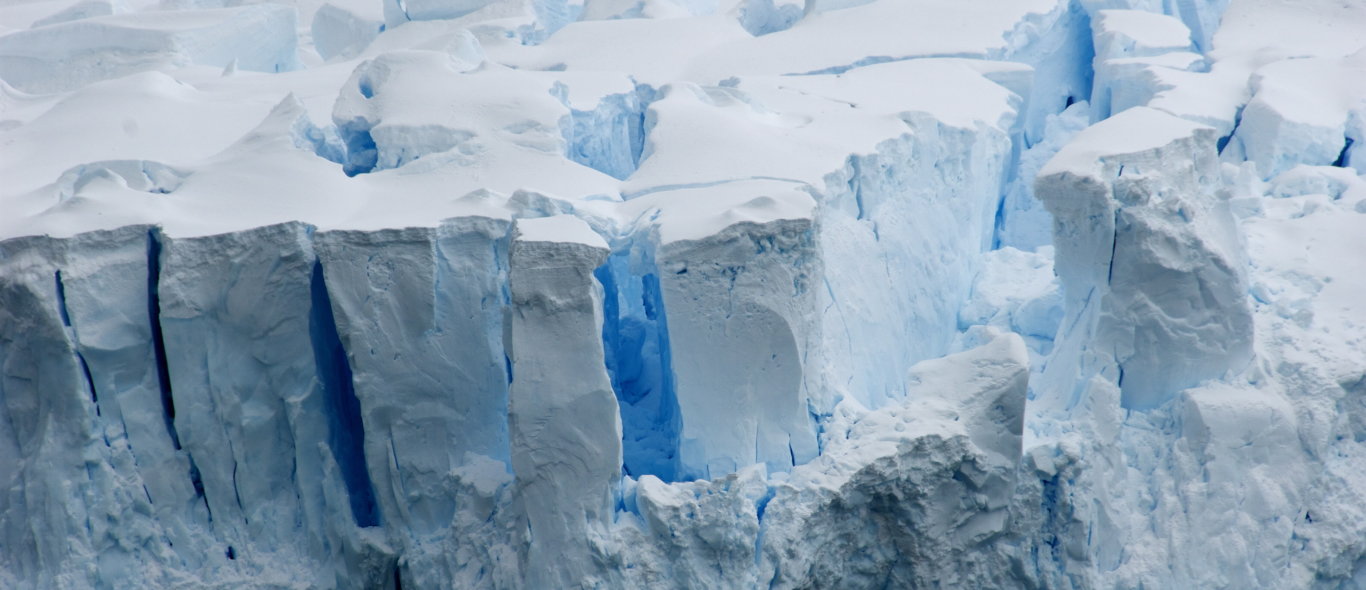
682,293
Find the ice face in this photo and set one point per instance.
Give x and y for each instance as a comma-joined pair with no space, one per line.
682,293
737,345
1147,256
443,402
562,416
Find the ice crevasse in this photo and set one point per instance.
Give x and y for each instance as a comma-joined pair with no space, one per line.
674,293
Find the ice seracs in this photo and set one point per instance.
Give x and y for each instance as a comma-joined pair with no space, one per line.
682,293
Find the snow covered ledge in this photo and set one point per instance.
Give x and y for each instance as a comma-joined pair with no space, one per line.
1148,256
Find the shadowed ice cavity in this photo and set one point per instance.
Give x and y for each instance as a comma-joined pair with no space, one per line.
609,137
637,349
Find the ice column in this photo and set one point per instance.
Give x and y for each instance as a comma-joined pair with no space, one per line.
563,420
742,318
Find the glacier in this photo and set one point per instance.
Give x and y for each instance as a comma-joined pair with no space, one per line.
682,294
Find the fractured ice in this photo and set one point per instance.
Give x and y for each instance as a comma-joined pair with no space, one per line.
682,293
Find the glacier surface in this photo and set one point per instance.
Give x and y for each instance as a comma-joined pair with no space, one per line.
682,294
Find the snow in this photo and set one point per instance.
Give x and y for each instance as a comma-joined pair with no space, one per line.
565,229
1141,130
682,293
1284,125
257,37
1138,33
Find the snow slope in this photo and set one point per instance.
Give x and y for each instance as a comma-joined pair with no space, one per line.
682,293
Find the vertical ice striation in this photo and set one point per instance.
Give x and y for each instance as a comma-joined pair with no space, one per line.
346,430
83,400
250,410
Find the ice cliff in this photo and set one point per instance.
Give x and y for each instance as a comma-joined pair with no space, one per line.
682,294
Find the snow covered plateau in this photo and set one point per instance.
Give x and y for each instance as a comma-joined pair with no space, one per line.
409,294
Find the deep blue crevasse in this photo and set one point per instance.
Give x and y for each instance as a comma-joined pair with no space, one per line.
636,345
346,431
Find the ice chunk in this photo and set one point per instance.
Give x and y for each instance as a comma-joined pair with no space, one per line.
1135,33
985,386
743,323
339,32
1148,258
1128,43
1284,125
932,476
685,521
690,250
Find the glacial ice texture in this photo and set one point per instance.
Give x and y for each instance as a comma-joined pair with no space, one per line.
682,294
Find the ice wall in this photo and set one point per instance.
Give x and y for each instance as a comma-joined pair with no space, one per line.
665,293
